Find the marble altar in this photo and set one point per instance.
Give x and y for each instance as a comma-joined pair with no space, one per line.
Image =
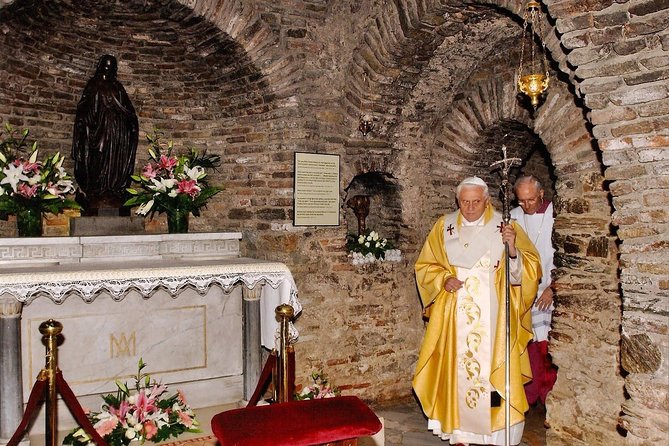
187,304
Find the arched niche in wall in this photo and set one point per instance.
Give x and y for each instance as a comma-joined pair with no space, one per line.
385,207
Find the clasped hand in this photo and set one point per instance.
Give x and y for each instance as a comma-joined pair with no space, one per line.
509,237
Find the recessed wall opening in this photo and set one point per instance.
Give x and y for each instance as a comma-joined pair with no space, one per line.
385,211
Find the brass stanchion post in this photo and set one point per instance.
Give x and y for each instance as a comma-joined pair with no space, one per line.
285,313
51,329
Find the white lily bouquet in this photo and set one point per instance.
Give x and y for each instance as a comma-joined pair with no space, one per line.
370,247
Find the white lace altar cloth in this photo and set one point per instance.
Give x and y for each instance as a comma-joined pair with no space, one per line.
60,281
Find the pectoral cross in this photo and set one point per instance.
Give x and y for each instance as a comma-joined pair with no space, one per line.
505,165
450,229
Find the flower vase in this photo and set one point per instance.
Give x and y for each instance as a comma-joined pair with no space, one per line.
177,221
29,222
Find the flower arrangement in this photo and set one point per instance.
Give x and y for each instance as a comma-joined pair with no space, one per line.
138,414
171,183
319,389
29,184
369,247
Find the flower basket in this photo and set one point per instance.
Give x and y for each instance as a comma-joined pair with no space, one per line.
173,184
138,413
29,187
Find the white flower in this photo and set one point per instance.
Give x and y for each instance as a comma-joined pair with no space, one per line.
13,174
194,173
361,239
377,245
144,209
132,399
35,179
163,184
367,244
63,187
130,434
374,235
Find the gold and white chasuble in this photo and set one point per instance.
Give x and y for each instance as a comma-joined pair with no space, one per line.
462,357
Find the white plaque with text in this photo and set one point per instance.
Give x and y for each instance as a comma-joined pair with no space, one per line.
316,191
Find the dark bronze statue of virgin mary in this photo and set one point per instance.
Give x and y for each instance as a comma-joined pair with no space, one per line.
104,143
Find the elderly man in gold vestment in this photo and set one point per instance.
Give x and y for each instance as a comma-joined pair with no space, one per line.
459,377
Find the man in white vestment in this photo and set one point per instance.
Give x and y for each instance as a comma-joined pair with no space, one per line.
535,216
460,272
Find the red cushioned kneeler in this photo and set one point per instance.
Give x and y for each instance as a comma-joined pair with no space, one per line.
296,423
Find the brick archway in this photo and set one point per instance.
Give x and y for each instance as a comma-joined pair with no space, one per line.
587,319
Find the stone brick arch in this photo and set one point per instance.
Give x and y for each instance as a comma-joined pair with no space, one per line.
241,20
400,43
209,77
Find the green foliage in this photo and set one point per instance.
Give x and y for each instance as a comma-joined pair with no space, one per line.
26,182
170,182
368,243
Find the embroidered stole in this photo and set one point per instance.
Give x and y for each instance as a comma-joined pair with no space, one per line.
471,249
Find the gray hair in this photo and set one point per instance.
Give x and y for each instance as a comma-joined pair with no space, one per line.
472,182
523,179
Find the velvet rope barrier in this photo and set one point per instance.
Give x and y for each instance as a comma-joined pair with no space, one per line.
36,397
264,378
78,413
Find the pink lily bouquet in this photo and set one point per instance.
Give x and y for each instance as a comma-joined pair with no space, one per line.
28,183
138,414
169,183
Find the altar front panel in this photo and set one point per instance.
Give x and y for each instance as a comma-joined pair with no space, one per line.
190,342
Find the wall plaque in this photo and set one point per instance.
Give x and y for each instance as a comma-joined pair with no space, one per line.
316,190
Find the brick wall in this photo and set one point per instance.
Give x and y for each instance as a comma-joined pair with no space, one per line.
257,80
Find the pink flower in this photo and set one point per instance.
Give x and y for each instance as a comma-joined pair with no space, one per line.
145,406
150,171
189,187
167,163
31,167
150,429
182,397
27,191
186,420
122,410
157,390
106,425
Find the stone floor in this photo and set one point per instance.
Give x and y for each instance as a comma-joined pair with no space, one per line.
405,425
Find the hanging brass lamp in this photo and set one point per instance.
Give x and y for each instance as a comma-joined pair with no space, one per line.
533,78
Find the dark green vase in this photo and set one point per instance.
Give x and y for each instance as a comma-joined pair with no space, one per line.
177,221
29,222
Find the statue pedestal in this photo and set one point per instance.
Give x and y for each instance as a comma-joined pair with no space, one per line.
107,225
